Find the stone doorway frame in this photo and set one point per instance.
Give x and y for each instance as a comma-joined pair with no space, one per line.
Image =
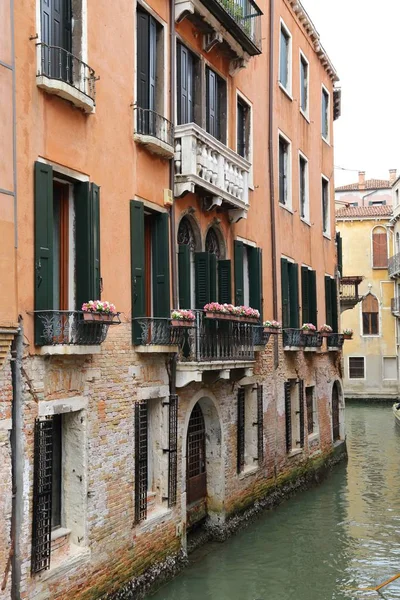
342,431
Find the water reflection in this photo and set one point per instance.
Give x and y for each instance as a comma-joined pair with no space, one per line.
322,543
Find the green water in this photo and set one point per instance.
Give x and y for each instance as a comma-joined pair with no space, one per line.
343,534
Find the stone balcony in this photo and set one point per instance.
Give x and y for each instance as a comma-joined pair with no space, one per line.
394,266
206,166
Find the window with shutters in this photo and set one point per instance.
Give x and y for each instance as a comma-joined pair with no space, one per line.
356,367
303,188
67,225
248,416
216,121
379,248
285,189
248,275
285,59
290,294
312,412
326,228
331,303
188,86
188,244
59,499
294,414
370,315
325,114
308,295
243,133
304,85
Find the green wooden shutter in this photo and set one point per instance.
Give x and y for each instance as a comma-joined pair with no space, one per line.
184,276
285,293
43,243
334,302
294,295
160,250
224,282
213,278
255,278
202,278
339,249
137,266
312,286
87,228
239,274
328,301
305,295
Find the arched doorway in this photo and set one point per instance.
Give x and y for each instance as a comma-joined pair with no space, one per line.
335,412
196,475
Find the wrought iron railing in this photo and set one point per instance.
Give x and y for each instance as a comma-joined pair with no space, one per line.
311,340
156,331
335,340
68,327
58,63
349,288
394,265
247,15
148,122
296,338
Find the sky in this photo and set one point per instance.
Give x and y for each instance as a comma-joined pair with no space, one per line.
362,40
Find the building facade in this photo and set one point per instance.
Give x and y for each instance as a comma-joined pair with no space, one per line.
366,192
169,155
371,357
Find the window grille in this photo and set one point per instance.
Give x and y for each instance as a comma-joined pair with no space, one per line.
310,414
42,494
301,412
240,429
288,415
260,423
173,447
356,367
141,467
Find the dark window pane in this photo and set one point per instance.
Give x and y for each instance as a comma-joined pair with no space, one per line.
325,114
303,167
325,206
304,85
284,59
374,324
310,415
283,170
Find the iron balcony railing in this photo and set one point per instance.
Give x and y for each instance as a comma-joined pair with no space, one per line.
349,288
245,18
394,265
206,340
57,63
395,306
296,338
335,340
68,327
148,122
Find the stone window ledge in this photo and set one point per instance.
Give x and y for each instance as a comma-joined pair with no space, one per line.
77,556
295,452
155,145
313,437
64,350
157,516
248,471
66,91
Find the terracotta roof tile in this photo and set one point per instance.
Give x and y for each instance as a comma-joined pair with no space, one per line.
370,184
365,211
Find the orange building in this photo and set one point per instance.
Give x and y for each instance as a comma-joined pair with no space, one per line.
169,155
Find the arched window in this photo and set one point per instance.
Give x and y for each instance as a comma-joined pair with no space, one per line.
370,315
379,248
212,243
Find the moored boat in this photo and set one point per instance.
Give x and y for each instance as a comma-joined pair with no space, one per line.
396,412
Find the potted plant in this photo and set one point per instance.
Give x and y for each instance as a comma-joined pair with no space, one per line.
325,330
248,314
182,318
348,334
308,329
272,327
99,310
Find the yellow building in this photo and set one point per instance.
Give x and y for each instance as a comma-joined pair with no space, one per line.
370,358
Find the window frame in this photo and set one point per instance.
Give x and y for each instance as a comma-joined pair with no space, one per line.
349,371
373,230
383,368
378,318
325,91
315,432
287,34
222,92
288,205
326,231
306,218
303,60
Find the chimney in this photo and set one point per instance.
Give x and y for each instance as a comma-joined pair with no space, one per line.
392,175
361,180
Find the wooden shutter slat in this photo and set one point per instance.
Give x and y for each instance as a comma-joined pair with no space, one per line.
202,279
143,59
301,412
285,293
42,494
328,301
224,282
334,303
339,247
213,278
240,429
184,276
255,278
152,65
95,242
239,273
312,286
294,294
43,244
137,266
379,250
305,295
288,416
160,251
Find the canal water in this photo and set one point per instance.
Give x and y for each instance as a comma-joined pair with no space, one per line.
322,543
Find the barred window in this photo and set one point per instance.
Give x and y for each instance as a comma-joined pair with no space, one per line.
356,367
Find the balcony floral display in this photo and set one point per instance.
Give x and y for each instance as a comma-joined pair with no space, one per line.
272,327
182,318
100,311
325,330
308,329
348,334
228,312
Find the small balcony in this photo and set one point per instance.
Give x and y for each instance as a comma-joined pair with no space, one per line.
395,306
154,132
334,342
63,74
237,25
348,292
68,332
394,266
296,339
205,166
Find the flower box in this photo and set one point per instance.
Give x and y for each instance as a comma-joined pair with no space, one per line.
273,330
248,320
182,323
221,316
99,317
348,336
308,332
325,334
